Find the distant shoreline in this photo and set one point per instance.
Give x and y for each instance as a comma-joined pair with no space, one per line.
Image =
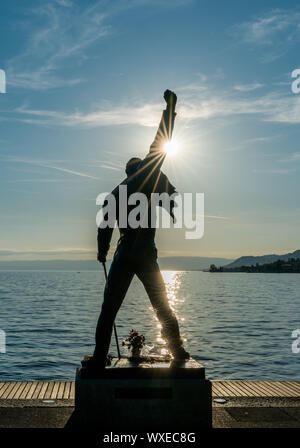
290,266
166,263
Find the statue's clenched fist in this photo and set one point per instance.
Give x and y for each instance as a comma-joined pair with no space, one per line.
170,98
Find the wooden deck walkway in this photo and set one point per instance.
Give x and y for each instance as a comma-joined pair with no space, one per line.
58,390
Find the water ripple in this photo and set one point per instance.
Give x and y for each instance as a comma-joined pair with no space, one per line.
239,326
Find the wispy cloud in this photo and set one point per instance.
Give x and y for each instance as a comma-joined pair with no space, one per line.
275,171
295,157
66,170
194,105
65,30
263,29
274,31
45,164
66,3
273,107
105,115
61,30
216,217
252,141
109,167
248,87
199,85
34,180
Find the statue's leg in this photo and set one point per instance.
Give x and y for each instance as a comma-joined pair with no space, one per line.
119,279
149,273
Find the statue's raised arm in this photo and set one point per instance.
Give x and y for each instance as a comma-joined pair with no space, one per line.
156,155
165,129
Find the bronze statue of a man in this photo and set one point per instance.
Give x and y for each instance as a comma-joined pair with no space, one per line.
136,253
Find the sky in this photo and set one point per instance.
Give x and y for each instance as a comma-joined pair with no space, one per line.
85,83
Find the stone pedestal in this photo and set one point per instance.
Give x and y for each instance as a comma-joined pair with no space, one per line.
143,396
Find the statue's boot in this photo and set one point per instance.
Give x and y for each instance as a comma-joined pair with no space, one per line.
95,363
180,354
175,344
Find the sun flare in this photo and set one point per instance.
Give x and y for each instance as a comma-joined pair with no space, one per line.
171,148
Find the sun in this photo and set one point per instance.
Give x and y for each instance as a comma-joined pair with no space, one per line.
171,147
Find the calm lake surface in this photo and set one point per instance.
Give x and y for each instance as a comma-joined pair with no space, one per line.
239,325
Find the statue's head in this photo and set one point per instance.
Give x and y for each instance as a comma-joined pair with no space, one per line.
132,166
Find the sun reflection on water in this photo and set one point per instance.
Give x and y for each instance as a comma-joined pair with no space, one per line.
172,281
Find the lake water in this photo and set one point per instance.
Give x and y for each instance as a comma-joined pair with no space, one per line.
239,325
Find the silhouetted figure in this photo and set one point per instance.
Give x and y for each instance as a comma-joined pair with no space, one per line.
136,252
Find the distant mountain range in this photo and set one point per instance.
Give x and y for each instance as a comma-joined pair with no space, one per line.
167,263
249,261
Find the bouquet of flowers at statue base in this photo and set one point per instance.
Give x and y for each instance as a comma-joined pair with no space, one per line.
134,342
